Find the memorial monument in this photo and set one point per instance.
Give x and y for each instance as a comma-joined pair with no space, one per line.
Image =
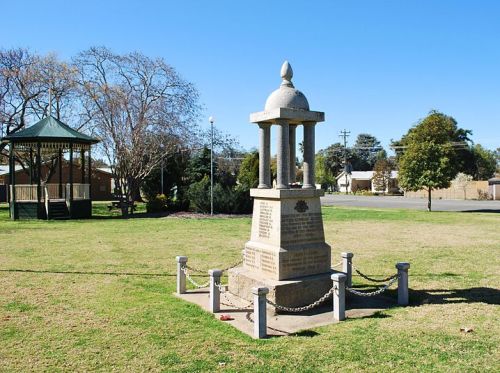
287,251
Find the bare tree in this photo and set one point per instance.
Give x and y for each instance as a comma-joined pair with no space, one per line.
141,110
28,82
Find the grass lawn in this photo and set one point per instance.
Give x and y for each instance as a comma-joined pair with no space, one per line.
62,310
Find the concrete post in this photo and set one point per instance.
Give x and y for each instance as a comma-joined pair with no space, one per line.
181,276
283,158
347,267
215,275
309,155
293,156
338,296
264,156
260,316
403,298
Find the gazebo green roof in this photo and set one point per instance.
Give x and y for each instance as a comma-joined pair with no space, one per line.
49,129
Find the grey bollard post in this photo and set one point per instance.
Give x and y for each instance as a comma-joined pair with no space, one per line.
339,282
347,267
181,276
215,275
259,312
403,298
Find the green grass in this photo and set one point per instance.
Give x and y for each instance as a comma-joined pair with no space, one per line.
97,295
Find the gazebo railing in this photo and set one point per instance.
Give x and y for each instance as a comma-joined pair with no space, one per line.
28,192
24,192
80,191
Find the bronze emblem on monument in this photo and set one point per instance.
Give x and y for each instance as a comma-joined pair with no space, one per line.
301,206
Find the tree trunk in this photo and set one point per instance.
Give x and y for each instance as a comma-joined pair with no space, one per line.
429,200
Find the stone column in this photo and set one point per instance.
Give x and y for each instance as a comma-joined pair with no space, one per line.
215,275
338,296
259,314
292,142
264,156
309,155
347,267
181,276
283,159
403,297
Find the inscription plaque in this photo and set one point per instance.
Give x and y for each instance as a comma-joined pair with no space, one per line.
265,219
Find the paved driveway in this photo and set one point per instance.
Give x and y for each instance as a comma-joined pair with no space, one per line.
409,203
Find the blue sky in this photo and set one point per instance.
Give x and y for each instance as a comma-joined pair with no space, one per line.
372,66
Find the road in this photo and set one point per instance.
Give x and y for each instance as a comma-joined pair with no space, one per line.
409,203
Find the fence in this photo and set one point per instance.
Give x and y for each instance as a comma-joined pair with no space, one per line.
341,283
470,190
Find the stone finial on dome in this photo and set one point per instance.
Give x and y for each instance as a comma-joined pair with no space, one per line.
286,74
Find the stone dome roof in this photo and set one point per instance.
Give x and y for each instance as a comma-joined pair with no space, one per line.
286,96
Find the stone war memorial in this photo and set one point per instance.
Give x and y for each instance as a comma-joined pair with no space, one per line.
287,264
287,251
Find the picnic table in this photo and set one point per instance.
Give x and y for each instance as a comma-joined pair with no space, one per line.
117,205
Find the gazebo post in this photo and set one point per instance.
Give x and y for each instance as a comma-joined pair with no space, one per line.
82,161
39,174
31,165
12,174
90,173
70,176
60,173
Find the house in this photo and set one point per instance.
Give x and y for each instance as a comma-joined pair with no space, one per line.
357,181
102,180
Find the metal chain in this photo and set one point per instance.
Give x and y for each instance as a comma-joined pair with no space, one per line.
373,293
192,281
374,279
336,265
304,308
223,291
194,269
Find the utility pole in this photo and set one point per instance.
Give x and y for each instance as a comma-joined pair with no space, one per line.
345,134
211,120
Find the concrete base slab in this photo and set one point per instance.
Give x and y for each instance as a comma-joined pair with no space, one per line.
285,324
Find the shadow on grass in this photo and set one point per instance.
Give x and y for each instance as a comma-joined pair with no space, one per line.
138,215
445,296
494,211
90,273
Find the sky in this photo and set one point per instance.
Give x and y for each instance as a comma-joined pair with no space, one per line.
373,67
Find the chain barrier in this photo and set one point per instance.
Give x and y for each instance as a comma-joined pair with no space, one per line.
336,265
374,279
205,272
193,281
223,291
304,308
376,292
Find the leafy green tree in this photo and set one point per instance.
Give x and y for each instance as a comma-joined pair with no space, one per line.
248,176
323,174
429,159
334,158
485,163
365,150
199,166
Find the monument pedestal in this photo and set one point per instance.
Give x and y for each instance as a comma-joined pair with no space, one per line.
287,251
296,292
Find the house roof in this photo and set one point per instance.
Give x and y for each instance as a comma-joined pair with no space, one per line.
49,129
365,175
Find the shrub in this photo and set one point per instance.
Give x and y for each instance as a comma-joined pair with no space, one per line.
157,204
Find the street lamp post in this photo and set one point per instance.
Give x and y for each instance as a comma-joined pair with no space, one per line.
211,120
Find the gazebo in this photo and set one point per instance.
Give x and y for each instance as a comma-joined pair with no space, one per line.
41,150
